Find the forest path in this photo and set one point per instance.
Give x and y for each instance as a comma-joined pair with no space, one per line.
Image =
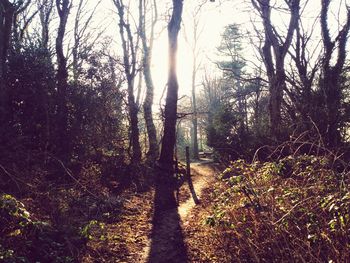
166,243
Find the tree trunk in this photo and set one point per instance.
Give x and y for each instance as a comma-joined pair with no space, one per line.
63,8
331,79
195,153
6,16
129,59
169,138
147,108
332,90
165,179
153,150
135,134
45,17
274,64
277,85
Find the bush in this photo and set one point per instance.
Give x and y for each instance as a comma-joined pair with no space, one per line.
23,239
296,209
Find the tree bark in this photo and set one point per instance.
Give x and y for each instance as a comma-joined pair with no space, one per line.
45,12
274,64
147,105
304,103
129,59
196,33
195,153
330,82
135,133
6,17
169,138
63,8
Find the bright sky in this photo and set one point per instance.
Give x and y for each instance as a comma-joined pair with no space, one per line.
213,18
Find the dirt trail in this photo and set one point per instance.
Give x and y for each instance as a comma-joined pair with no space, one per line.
166,244
205,178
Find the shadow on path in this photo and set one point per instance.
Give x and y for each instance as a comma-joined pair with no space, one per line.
167,243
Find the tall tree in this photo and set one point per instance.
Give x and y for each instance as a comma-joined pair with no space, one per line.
169,137
330,83
195,66
232,66
63,9
273,53
303,73
7,10
45,14
146,63
83,40
130,60
22,18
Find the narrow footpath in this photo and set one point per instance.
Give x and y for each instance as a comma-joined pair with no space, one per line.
166,243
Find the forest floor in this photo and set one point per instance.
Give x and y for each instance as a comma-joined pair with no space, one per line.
138,238
293,210
167,242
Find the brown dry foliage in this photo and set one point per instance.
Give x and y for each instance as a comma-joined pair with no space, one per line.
293,210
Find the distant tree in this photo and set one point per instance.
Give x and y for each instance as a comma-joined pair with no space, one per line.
301,78
24,14
8,11
232,66
45,8
129,47
196,14
274,53
83,40
98,118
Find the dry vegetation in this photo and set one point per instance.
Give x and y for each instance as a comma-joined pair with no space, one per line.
296,209
82,220
85,219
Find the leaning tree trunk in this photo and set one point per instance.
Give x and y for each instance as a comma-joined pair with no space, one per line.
147,108
169,137
153,150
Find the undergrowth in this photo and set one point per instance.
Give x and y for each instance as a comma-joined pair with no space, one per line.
58,222
294,210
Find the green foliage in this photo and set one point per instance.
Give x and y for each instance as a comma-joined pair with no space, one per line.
93,229
11,210
219,131
238,121
32,78
30,137
295,208
181,142
97,120
24,239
